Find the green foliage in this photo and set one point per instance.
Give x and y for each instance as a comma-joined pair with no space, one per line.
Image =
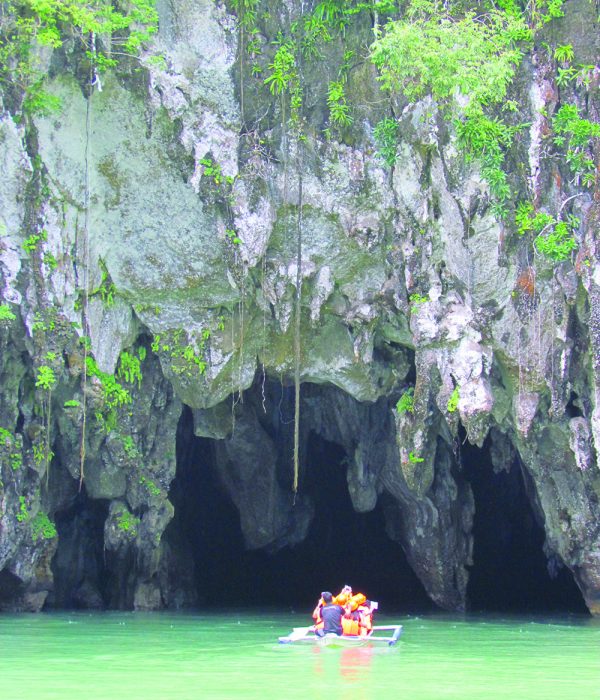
212,169
246,12
339,111
559,242
127,522
115,394
10,448
466,62
232,236
27,25
486,139
416,299
452,404
72,403
152,488
406,403
129,446
578,136
431,51
46,379
555,238
30,244
564,54
129,369
42,527
23,514
414,459
184,357
6,314
283,69
386,138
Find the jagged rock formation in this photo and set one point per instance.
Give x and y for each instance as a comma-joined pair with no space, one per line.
407,280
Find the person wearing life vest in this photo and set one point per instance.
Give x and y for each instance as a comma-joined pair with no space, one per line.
365,623
329,615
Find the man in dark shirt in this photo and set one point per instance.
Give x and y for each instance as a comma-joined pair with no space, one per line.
331,614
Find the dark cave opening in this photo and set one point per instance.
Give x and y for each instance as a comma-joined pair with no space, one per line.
81,576
510,571
342,546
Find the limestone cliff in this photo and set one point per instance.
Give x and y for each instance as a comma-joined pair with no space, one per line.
152,227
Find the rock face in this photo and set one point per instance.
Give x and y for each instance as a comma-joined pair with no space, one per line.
185,282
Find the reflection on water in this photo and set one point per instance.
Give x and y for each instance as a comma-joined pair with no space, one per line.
129,656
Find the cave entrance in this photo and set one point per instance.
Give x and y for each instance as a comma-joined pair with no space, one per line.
510,571
341,546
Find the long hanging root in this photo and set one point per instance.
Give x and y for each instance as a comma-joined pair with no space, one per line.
297,333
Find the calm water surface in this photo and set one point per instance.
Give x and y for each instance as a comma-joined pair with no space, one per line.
161,656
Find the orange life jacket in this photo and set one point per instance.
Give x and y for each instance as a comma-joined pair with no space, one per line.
351,625
366,622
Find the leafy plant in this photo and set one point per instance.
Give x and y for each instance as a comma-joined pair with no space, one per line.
31,242
152,488
23,514
564,54
416,299
339,111
101,28
6,314
129,369
115,394
414,459
71,403
559,242
452,404
555,238
46,379
406,403
578,135
127,522
42,527
386,138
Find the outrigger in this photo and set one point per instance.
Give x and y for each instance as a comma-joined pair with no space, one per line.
306,635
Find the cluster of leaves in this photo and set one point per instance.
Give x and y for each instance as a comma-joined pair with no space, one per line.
555,238
577,135
130,368
6,314
386,139
452,404
115,394
102,28
30,244
45,379
184,357
416,299
466,62
212,170
487,139
339,111
42,527
9,446
283,78
127,522
23,515
406,403
152,488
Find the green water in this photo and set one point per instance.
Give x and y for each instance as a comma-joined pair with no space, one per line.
133,656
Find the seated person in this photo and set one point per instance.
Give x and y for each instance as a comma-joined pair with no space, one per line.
328,616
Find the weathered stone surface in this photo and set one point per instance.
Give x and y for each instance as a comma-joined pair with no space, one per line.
407,280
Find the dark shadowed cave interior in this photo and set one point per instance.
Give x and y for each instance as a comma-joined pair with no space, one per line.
510,572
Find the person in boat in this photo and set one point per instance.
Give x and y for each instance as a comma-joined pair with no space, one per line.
328,615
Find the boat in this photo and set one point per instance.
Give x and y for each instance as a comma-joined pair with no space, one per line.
306,635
